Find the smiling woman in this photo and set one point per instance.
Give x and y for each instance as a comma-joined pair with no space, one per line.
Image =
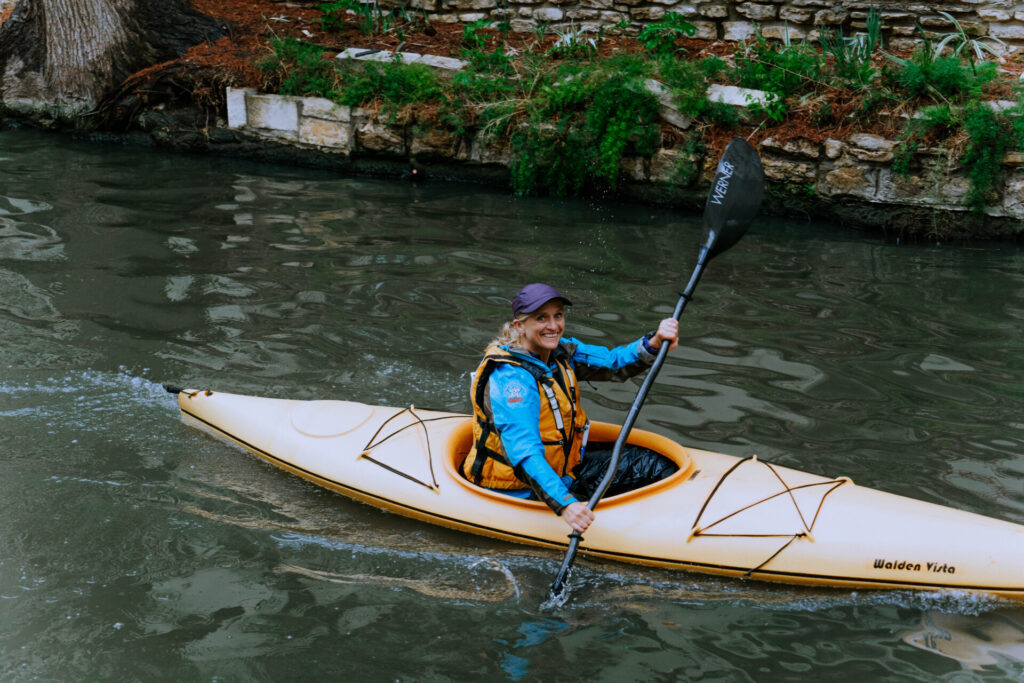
530,432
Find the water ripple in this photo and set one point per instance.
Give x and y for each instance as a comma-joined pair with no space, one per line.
23,241
15,206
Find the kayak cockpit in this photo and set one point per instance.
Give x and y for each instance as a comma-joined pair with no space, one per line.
461,440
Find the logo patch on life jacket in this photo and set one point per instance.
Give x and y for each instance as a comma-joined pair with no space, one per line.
513,393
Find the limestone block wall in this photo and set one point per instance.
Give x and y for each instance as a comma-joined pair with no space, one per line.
854,173
735,20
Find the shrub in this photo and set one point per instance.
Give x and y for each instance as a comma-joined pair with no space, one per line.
660,37
368,16
573,44
581,126
930,121
988,140
851,57
780,68
941,77
300,68
472,38
485,95
396,83
989,135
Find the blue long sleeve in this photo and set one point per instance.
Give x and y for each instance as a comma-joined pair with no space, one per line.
592,362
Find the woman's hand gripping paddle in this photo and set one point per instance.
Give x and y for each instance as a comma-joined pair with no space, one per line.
733,201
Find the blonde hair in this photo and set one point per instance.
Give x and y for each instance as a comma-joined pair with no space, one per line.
508,335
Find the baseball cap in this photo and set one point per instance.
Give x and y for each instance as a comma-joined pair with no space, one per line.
533,296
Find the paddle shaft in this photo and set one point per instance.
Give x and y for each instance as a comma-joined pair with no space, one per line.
631,417
737,189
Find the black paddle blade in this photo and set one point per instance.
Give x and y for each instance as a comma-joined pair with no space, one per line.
735,196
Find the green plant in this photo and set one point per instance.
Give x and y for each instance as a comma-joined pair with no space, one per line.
773,107
300,68
570,122
495,62
779,68
988,141
988,135
472,39
944,78
539,33
484,95
851,57
332,19
930,121
368,15
692,148
581,125
543,157
572,44
713,67
959,40
1016,116
396,83
504,23
660,37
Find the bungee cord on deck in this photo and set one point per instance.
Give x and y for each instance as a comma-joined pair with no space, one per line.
418,421
787,490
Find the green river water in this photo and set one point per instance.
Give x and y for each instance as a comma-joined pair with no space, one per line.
134,548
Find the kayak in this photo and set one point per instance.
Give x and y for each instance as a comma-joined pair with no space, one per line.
718,514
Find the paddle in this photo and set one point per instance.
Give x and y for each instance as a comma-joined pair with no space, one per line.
733,201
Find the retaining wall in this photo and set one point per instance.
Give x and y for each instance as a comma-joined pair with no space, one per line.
850,180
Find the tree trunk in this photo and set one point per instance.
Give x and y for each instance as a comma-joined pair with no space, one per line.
63,56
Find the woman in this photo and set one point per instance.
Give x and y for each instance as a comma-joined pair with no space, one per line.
530,430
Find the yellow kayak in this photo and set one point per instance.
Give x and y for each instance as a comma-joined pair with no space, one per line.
717,514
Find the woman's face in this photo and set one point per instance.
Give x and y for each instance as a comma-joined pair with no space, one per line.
543,329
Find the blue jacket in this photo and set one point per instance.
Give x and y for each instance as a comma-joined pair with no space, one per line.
517,421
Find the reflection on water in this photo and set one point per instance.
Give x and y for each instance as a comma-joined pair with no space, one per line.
136,548
977,642
434,588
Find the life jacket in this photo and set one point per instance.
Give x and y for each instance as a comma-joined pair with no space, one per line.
563,422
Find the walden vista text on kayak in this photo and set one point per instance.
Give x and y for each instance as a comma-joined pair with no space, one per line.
934,567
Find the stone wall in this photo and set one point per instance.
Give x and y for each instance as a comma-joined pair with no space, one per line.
849,180
735,20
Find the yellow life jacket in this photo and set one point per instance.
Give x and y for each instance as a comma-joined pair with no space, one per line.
563,423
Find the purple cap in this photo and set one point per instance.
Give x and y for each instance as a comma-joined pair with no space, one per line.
533,296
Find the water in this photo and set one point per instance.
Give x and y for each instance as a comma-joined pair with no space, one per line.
135,548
